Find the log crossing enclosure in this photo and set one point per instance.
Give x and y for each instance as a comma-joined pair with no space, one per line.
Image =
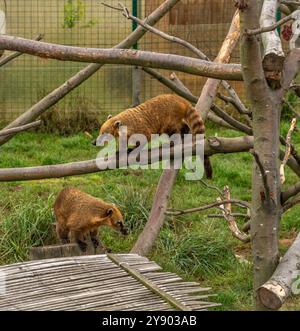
99,282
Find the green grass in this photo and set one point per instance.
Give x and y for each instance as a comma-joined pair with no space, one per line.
194,246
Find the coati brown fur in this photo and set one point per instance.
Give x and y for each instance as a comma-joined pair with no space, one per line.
83,214
167,113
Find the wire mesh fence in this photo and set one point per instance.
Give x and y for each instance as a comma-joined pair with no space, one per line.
87,23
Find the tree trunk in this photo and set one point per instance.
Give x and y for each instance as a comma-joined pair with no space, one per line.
265,211
277,289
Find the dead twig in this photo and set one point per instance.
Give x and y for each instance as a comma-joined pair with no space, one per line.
288,149
226,210
178,212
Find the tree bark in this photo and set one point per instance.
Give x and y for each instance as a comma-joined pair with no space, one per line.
211,86
277,289
75,81
265,216
122,56
157,215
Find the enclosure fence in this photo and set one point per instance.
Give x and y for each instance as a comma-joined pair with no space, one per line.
87,23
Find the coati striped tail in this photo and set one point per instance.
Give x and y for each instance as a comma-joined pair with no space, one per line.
194,121
196,125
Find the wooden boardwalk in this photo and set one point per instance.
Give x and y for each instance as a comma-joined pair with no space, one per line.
98,282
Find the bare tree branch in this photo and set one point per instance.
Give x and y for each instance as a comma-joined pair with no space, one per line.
178,212
271,27
226,209
14,55
290,204
287,150
159,33
290,192
230,120
213,145
211,86
52,98
20,128
122,56
232,101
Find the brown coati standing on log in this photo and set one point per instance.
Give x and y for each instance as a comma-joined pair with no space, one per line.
167,113
83,214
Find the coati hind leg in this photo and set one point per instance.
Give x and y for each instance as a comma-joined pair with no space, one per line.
80,240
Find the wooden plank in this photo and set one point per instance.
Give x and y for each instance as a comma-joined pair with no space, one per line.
148,283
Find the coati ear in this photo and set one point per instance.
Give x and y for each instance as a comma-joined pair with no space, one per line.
117,124
109,211
109,116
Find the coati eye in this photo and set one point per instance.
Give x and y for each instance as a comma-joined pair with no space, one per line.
117,124
119,223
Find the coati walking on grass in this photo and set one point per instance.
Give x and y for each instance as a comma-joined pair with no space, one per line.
166,113
83,214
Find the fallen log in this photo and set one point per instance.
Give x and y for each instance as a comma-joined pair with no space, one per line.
278,288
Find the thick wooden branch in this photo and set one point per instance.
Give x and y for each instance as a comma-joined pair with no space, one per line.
56,95
211,86
15,55
214,145
122,56
278,288
290,192
20,128
157,214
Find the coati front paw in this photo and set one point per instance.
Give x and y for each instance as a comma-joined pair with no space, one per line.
82,245
96,242
107,250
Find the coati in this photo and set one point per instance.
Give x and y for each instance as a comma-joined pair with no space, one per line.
167,113
82,214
